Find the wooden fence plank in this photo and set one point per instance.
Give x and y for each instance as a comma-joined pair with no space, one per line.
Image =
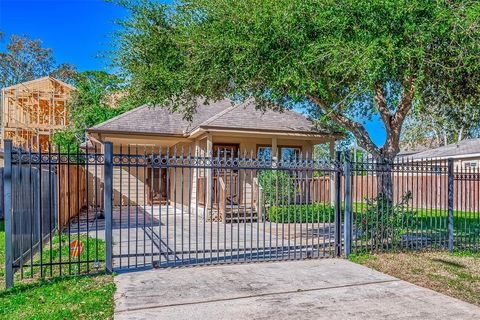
71,190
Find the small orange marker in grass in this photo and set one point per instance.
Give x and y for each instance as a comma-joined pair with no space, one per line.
76,248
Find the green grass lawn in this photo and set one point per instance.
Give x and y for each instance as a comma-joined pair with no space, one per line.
74,297
405,217
377,226
58,250
454,274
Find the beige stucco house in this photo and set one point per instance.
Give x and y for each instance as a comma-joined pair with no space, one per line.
218,128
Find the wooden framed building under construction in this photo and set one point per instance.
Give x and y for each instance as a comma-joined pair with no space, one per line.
33,110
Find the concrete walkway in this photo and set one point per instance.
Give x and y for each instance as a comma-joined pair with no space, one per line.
310,289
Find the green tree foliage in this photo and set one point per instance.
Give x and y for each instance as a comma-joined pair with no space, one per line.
348,60
25,59
438,125
99,97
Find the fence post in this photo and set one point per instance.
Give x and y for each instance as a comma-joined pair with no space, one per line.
347,223
7,200
450,204
107,196
338,214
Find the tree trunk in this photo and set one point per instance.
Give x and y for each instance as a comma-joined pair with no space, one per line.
383,205
383,170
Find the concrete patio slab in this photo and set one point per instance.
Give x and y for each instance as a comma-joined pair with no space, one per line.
309,289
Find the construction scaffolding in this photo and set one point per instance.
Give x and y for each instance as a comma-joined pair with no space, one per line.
33,110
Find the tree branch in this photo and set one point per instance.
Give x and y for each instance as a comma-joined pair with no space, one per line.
382,106
406,101
356,128
394,125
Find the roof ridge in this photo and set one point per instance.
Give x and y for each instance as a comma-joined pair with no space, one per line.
120,116
62,82
26,83
246,103
218,115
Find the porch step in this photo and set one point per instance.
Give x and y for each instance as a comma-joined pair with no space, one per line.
241,219
241,214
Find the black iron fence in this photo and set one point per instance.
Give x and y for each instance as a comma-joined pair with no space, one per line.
412,205
139,207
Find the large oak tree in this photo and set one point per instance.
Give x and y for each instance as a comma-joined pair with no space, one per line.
348,59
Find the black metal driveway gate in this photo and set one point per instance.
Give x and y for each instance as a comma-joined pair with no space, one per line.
172,208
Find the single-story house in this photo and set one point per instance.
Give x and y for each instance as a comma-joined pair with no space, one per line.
217,129
466,154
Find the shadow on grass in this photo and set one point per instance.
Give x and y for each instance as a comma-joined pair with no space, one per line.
449,263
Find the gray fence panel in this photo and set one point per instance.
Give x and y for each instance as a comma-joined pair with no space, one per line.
34,215
2,209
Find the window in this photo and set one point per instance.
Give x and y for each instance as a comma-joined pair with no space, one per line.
471,164
226,150
289,154
286,153
264,153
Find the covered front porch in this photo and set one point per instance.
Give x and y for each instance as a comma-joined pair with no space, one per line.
235,195
226,192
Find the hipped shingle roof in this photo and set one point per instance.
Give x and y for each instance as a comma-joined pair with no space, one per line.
222,114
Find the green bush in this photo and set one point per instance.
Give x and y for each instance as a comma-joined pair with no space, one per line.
302,213
381,220
277,185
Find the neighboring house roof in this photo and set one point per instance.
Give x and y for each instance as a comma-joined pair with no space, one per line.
411,151
222,114
462,149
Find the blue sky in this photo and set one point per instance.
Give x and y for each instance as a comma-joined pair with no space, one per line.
79,32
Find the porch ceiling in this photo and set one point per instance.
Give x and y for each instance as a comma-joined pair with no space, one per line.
314,138
141,140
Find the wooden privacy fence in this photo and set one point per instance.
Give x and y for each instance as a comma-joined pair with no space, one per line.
423,191
318,189
71,190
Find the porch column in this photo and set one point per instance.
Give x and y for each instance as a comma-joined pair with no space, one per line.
332,180
197,148
274,149
195,186
102,180
208,173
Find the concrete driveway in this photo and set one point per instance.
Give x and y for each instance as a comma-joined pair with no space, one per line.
310,289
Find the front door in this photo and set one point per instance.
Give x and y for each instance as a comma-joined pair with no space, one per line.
229,177
157,188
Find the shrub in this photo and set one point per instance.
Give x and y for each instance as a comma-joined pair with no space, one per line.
318,212
277,186
380,221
